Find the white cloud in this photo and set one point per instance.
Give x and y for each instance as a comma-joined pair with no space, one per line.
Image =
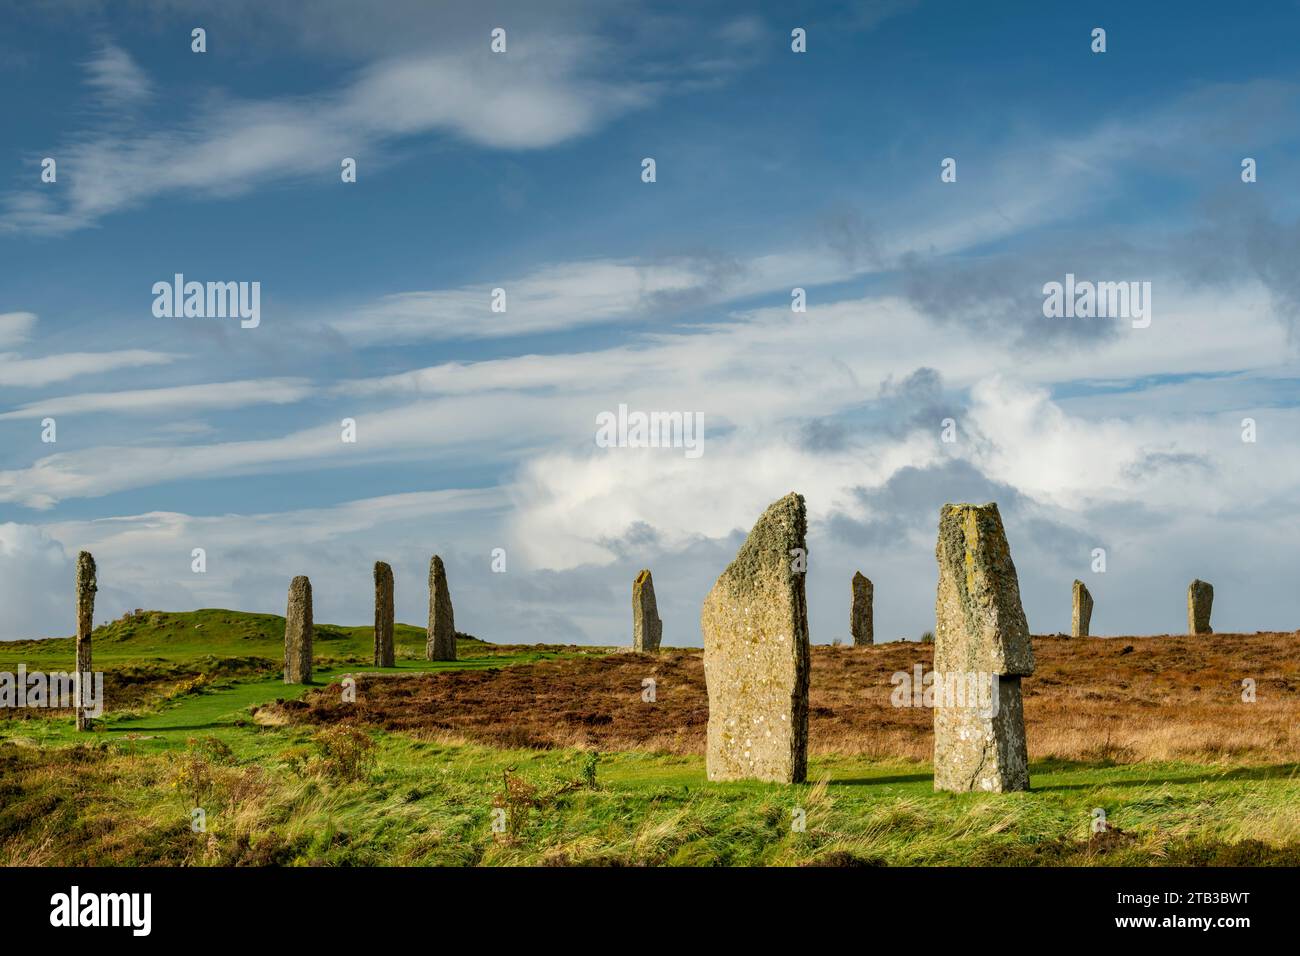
36,584
15,328
175,400
761,371
116,77
537,97
145,560
19,372
561,296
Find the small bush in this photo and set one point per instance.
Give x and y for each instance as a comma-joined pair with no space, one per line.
516,798
589,761
346,752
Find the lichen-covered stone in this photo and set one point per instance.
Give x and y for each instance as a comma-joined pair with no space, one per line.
980,634
978,608
756,654
1081,610
299,632
977,749
87,585
1200,600
440,639
647,628
860,617
384,656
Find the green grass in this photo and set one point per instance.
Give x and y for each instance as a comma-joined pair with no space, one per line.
122,793
164,649
431,802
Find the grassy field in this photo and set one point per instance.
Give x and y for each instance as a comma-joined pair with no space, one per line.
276,789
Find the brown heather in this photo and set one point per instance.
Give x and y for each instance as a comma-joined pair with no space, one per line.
1120,699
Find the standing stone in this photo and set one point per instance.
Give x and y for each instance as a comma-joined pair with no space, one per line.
87,585
1081,614
298,633
1200,599
383,615
756,653
647,629
440,641
980,634
860,622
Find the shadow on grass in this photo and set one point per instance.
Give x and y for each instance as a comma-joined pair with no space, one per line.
1274,772
874,781
1052,768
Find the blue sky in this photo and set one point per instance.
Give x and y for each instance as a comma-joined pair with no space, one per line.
521,170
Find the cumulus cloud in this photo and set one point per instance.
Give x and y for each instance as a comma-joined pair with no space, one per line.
36,584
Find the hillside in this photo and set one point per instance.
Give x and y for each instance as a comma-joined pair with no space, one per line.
192,636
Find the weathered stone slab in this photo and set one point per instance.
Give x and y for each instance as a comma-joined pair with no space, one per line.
384,655
647,628
87,585
440,640
861,625
756,653
981,641
978,608
299,632
1081,610
1200,600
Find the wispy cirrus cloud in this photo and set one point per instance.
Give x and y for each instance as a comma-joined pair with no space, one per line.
537,97
19,372
116,77
16,328
170,401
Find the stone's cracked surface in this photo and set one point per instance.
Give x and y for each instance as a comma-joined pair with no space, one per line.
647,628
1081,610
298,633
980,632
384,652
756,655
87,586
1200,600
440,638
861,625
974,751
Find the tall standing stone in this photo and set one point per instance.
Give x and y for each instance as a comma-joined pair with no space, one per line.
299,632
1200,599
440,640
1081,610
756,653
980,634
860,620
87,585
647,629
384,656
